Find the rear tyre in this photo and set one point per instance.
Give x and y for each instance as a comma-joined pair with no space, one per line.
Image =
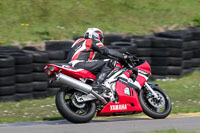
69,110
154,108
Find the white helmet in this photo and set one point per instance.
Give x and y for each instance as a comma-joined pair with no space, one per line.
94,33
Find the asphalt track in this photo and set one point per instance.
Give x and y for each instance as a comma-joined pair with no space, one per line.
109,125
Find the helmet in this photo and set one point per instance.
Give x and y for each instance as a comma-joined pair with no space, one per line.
94,33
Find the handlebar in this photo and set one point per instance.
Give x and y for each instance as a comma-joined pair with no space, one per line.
131,61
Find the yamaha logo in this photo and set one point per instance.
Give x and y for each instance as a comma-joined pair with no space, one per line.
118,107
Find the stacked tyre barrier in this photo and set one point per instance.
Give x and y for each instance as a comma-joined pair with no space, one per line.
57,52
187,57
23,75
7,78
40,78
168,61
143,44
7,73
196,55
190,47
195,41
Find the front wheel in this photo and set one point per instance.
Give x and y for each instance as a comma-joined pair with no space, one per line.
71,110
157,109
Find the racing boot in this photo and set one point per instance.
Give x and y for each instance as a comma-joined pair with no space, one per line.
97,84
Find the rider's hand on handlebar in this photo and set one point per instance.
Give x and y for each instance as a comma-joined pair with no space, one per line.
127,57
130,57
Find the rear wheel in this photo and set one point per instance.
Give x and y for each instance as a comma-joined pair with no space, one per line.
71,110
157,109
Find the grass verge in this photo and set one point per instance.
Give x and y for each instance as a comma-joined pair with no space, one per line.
183,92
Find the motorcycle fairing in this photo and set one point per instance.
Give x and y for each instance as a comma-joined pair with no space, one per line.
145,67
126,103
144,71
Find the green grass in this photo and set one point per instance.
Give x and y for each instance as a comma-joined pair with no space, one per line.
29,110
183,92
62,19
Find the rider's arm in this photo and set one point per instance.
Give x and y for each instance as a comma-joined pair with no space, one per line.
99,47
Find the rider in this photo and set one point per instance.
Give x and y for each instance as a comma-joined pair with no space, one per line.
83,51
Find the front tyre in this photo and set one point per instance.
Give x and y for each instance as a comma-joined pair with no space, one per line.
157,109
72,110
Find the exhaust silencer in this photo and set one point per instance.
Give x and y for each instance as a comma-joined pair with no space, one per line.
76,84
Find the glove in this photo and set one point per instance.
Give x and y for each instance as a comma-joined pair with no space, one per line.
130,57
127,57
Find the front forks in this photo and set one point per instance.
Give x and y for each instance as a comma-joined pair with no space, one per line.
151,90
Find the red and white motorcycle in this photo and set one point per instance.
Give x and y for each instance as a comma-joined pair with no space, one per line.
79,102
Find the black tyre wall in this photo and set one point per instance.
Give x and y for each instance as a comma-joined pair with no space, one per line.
184,35
58,45
160,42
175,61
22,58
187,55
38,67
57,61
187,64
196,53
109,38
29,48
52,91
159,70
159,61
7,75
38,56
24,78
24,87
7,90
8,98
7,81
40,76
57,55
187,46
175,70
7,71
196,62
6,61
175,52
40,86
23,96
23,69
40,94
125,47
144,52
195,33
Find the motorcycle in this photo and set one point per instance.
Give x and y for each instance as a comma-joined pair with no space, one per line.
78,102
